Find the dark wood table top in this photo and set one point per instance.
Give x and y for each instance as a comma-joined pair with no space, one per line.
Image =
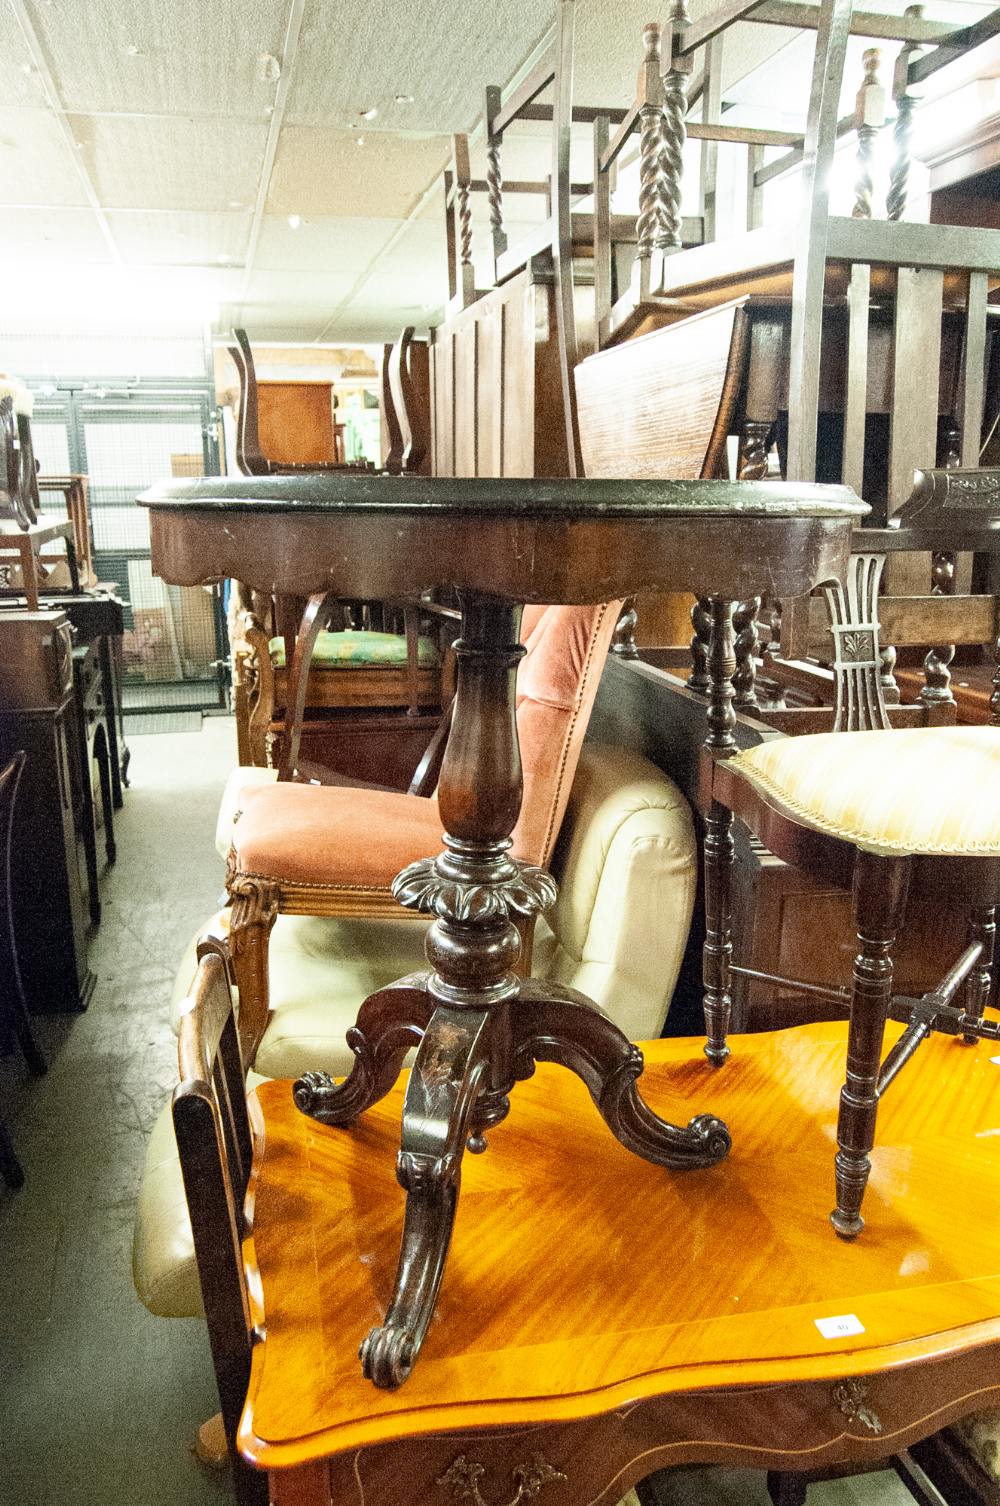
572,541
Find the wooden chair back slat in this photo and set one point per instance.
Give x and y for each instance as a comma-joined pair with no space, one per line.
214,1142
974,369
855,402
913,421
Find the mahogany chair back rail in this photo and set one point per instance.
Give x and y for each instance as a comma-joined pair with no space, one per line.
214,1141
405,402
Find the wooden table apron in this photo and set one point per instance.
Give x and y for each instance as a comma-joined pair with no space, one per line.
500,543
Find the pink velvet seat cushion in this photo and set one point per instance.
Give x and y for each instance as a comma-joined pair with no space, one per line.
321,834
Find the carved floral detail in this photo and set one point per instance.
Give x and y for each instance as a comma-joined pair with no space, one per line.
857,646
421,887
463,1475
424,1175
850,1397
254,901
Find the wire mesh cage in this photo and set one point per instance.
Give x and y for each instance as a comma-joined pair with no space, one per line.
124,439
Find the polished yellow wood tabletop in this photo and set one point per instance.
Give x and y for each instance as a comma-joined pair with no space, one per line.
582,1280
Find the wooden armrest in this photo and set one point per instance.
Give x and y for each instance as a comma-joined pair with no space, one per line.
307,772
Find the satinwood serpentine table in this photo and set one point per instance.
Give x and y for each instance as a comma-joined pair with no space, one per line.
500,543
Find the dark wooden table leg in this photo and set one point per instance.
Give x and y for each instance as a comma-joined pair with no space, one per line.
437,1113
880,890
390,1023
556,1024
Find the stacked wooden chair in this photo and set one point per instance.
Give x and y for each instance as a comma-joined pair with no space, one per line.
371,669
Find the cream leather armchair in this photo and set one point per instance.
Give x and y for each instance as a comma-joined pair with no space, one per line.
626,862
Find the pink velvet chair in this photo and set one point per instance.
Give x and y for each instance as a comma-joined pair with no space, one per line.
327,850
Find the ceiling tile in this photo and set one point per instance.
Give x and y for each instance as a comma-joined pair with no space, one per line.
191,58
177,164
36,165
306,296
20,84
444,55
324,172
33,236
295,323
169,238
322,244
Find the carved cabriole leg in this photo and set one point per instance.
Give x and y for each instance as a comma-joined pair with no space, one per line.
390,1023
880,889
982,927
255,903
556,1024
719,845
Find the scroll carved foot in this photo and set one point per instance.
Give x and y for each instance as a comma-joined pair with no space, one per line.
557,1024
390,1023
437,1113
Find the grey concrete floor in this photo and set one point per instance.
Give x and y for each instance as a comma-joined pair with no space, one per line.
99,1401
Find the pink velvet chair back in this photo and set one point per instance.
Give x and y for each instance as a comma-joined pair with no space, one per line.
557,683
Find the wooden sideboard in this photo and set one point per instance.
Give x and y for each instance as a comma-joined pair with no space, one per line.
295,422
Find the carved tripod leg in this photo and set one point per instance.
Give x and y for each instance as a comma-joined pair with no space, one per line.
437,1110
717,953
880,889
389,1024
557,1024
982,927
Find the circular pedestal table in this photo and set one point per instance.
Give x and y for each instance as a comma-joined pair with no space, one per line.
500,544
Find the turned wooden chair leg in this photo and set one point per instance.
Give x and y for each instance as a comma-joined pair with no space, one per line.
880,889
718,949
982,927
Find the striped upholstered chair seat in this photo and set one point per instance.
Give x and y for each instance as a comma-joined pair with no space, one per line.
931,791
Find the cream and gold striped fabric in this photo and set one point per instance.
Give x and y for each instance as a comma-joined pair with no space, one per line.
923,790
